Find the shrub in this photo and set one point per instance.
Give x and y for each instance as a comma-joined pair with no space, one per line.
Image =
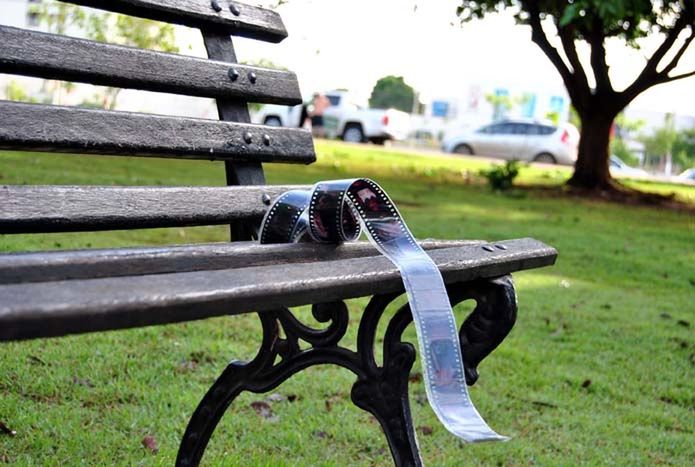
501,177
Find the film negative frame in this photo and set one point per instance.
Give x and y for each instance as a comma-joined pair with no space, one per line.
338,211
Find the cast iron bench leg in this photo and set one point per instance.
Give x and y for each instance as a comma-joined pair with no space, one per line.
382,391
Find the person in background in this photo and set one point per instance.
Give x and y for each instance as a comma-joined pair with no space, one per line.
319,105
304,121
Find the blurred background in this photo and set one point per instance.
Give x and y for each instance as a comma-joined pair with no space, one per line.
451,79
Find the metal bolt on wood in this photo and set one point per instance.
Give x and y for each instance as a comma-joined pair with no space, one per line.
266,140
233,74
248,137
252,77
234,9
215,6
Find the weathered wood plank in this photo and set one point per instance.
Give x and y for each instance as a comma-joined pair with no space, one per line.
253,22
65,58
89,264
219,46
65,307
73,130
35,209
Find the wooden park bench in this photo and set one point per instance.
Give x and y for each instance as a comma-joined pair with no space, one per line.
55,293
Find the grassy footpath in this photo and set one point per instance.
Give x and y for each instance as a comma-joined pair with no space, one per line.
598,370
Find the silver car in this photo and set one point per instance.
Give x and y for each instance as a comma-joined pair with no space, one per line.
518,139
618,168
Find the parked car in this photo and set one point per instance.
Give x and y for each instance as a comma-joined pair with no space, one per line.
524,140
619,168
687,175
278,115
343,119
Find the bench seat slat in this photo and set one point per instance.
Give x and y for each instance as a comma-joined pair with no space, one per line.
252,22
34,127
58,308
43,55
88,264
44,209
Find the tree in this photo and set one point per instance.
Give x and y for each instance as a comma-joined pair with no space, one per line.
392,91
503,103
14,91
660,143
624,127
592,22
58,18
684,148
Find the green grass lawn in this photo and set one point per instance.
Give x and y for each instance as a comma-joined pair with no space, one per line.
600,368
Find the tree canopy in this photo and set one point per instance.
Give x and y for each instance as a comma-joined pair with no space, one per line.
392,92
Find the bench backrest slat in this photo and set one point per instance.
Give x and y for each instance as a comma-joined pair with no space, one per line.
252,22
242,146
45,209
88,131
219,46
43,55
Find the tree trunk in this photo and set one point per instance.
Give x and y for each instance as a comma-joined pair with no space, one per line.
591,169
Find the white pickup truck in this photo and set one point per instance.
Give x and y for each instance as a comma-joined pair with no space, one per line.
343,119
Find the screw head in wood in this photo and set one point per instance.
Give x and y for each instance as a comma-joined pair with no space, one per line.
215,6
266,199
266,140
501,247
234,9
488,248
248,137
233,74
252,77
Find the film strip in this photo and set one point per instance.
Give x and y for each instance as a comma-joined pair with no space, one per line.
337,211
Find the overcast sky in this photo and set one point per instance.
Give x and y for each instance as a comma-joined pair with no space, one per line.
350,44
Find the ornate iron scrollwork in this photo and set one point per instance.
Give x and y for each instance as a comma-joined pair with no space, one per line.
380,390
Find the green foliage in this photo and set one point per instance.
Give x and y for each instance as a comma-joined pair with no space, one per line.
501,177
660,143
629,125
58,17
114,28
14,91
503,103
684,148
141,33
666,141
625,19
553,117
619,148
392,92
